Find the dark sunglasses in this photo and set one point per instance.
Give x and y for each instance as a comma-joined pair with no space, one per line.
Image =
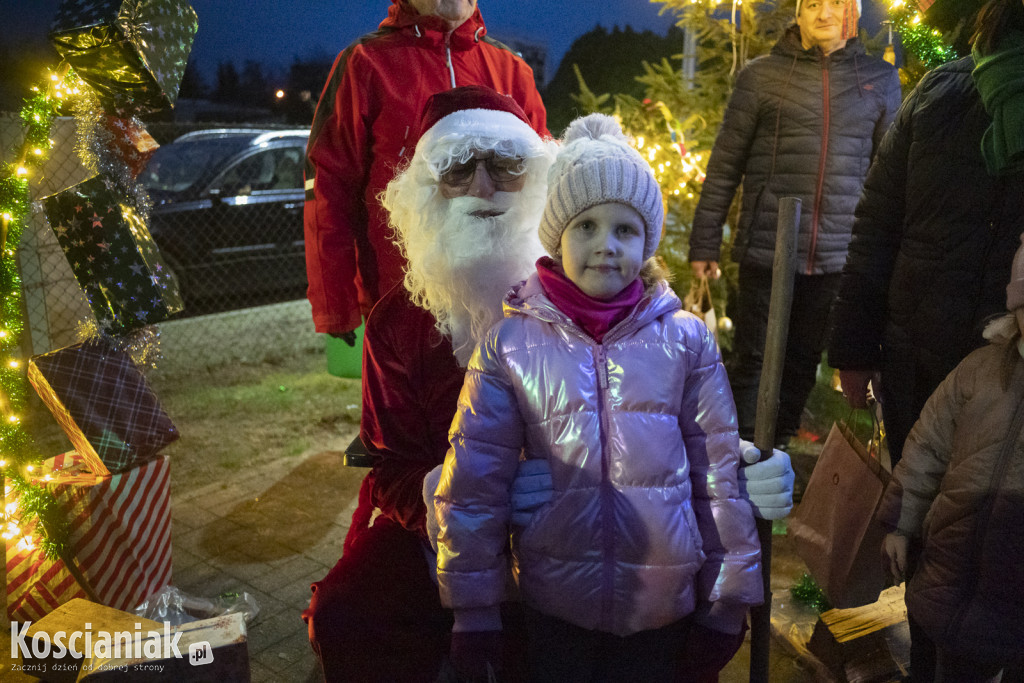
500,169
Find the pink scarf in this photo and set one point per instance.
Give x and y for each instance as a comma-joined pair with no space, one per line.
595,316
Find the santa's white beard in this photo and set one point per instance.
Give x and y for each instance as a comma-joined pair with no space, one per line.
461,265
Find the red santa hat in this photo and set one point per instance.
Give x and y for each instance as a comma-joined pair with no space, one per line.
473,111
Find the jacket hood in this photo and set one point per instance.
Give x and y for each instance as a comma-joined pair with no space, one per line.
789,45
403,15
528,298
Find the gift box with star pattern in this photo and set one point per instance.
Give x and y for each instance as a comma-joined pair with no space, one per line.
132,52
113,256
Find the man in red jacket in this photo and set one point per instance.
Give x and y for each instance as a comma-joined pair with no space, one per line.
365,128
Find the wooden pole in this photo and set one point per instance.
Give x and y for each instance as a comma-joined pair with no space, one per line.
783,273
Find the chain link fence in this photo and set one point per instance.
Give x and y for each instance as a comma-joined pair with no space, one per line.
238,254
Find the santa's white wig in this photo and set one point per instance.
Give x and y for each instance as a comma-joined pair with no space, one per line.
460,265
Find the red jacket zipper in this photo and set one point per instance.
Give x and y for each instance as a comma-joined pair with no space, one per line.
448,56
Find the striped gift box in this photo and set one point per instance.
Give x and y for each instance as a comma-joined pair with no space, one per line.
103,403
120,538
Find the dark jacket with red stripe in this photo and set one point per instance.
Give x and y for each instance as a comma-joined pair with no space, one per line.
365,126
798,124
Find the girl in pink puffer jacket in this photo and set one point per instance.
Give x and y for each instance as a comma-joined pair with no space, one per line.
597,369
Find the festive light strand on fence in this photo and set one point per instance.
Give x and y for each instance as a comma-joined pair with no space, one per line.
25,500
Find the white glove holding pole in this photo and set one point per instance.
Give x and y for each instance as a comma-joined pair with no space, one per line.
767,484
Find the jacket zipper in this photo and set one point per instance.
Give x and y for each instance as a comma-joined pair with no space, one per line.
816,213
448,56
607,501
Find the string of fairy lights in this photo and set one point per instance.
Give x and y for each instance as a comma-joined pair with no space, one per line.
25,501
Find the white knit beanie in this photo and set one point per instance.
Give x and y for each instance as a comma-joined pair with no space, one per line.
596,165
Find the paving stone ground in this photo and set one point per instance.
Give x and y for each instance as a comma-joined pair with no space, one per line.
281,527
269,533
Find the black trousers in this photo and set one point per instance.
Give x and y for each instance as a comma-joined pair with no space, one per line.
808,330
560,652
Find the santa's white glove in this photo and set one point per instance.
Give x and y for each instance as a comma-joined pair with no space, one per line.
531,489
767,484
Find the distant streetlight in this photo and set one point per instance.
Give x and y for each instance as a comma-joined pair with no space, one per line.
279,94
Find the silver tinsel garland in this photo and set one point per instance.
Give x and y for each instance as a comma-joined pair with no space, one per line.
141,345
96,145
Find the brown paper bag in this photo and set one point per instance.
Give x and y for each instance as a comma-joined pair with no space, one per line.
833,527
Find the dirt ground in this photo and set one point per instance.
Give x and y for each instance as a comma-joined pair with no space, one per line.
245,414
239,415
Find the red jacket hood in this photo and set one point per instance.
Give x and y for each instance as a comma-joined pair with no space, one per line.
401,14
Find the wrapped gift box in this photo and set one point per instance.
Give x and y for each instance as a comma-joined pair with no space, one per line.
214,649
80,616
132,52
129,141
113,256
120,538
103,403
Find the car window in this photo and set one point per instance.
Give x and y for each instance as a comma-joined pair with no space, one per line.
288,172
181,165
272,169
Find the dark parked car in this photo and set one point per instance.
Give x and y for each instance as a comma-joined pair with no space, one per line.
227,215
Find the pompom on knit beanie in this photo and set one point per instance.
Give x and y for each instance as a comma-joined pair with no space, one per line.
1015,289
596,165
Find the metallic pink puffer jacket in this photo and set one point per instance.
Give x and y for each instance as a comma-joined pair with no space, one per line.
640,432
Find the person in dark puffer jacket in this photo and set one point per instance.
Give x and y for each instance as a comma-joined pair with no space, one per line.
931,247
803,121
